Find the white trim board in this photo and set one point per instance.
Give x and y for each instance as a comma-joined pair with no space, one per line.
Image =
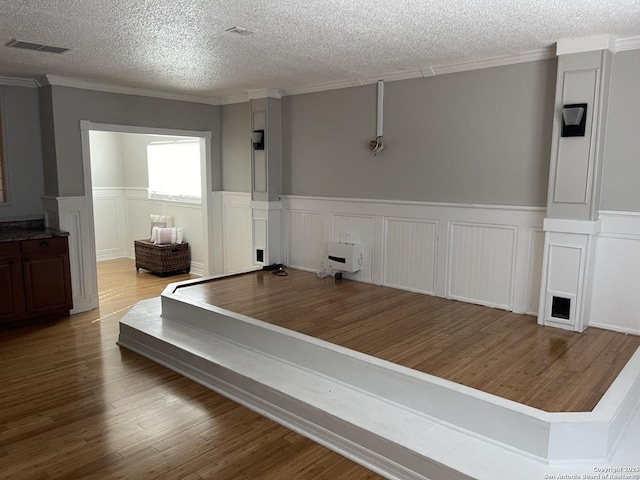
84,84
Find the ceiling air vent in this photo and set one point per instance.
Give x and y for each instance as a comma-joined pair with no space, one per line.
36,47
239,31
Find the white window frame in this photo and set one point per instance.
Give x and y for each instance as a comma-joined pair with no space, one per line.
175,196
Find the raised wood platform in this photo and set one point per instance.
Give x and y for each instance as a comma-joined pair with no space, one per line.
397,421
498,352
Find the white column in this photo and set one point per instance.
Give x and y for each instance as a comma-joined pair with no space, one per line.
267,232
575,173
266,113
567,273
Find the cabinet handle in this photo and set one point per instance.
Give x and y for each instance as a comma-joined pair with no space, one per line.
44,244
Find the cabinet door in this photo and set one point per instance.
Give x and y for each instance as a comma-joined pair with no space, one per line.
47,282
11,298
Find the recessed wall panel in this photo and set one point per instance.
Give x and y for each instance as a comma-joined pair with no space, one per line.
410,254
237,238
574,169
305,240
481,264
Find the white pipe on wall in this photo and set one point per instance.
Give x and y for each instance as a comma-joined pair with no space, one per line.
380,107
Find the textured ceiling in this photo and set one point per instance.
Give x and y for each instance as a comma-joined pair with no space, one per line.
181,46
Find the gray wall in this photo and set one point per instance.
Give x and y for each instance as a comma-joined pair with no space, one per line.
48,138
71,105
235,141
120,159
621,178
106,159
482,136
22,153
134,158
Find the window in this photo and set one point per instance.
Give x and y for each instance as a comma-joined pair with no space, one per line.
174,171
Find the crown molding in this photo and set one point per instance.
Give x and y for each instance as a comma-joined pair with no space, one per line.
585,44
429,71
243,98
252,95
321,88
629,43
524,57
18,82
60,81
263,93
359,82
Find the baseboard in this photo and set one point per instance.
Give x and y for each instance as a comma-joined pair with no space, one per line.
101,256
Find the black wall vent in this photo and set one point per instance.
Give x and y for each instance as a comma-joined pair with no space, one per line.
561,307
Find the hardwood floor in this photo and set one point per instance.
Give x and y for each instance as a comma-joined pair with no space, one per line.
73,405
499,352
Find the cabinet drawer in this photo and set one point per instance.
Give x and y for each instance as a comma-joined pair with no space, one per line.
9,248
58,244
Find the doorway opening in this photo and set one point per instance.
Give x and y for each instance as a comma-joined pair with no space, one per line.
120,199
135,176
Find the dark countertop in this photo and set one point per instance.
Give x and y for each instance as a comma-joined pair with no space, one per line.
31,234
28,230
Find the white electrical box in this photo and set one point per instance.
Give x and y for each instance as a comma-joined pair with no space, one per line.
345,257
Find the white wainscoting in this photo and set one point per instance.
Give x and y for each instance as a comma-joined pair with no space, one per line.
486,254
138,208
110,223
535,258
237,226
615,303
310,226
481,263
410,249
72,215
122,216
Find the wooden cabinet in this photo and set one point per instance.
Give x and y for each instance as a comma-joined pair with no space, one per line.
11,284
36,277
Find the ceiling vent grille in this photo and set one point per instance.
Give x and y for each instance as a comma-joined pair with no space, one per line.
36,47
239,31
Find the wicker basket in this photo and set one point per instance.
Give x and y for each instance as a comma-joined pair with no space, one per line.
162,259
